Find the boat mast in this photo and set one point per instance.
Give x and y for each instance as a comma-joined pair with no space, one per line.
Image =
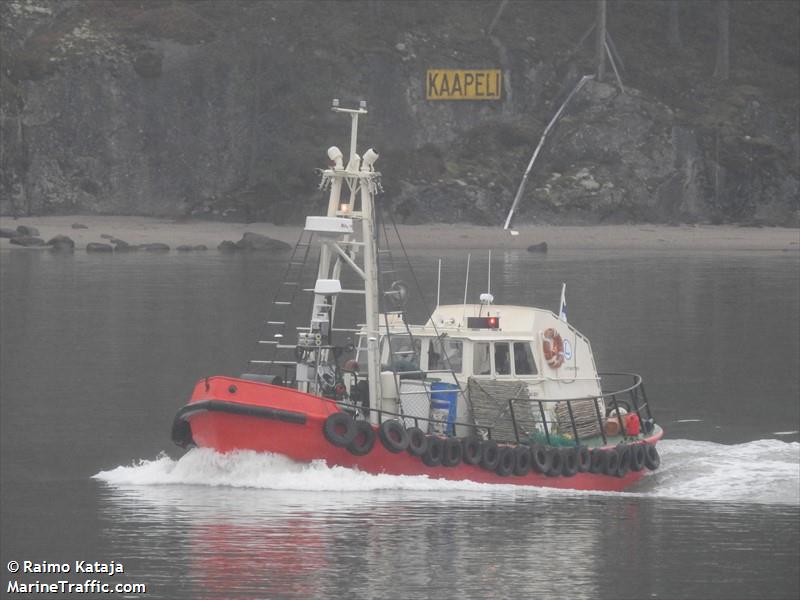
338,240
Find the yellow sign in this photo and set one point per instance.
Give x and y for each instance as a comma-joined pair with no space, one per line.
463,84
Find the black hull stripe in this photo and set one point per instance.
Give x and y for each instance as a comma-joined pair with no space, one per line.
276,414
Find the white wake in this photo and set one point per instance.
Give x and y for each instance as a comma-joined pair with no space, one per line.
762,472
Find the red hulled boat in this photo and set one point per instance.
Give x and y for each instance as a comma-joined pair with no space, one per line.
482,392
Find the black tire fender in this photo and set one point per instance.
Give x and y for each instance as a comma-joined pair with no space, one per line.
417,441
522,461
451,457
339,429
569,462
434,451
540,459
624,461
490,454
556,462
612,461
652,460
599,460
638,456
471,450
393,436
364,439
182,433
584,459
505,461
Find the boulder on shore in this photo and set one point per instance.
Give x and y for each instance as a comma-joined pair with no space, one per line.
79,226
227,246
99,247
27,241
256,241
6,232
540,247
122,245
27,230
61,243
154,247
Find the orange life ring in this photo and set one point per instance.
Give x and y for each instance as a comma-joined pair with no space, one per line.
553,347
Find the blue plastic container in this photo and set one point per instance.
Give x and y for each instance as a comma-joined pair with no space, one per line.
444,396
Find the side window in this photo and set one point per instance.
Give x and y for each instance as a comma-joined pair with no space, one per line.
400,352
481,358
523,359
502,360
445,354
402,348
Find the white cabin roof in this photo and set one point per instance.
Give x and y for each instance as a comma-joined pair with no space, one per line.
513,320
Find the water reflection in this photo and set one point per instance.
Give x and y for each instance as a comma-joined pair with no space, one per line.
307,544
244,543
99,352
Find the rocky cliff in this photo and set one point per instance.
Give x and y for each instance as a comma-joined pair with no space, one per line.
219,107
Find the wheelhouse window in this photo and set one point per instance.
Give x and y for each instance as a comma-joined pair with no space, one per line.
401,353
482,358
523,359
502,359
445,355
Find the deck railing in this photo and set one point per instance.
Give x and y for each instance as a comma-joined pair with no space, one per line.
633,397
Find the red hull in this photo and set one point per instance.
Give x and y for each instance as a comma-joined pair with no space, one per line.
287,434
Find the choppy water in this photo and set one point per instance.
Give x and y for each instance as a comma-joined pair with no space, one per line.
692,470
99,352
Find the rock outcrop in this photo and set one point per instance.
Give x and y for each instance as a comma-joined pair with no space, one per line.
99,247
28,241
61,243
218,109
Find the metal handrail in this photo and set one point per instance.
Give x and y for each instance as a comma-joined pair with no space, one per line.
636,392
639,404
382,414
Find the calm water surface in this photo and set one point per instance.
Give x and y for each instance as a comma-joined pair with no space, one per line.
98,352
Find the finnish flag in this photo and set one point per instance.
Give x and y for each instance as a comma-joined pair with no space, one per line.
562,311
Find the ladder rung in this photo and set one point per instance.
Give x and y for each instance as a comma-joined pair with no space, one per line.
273,362
276,322
405,352
281,302
287,346
271,342
340,291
